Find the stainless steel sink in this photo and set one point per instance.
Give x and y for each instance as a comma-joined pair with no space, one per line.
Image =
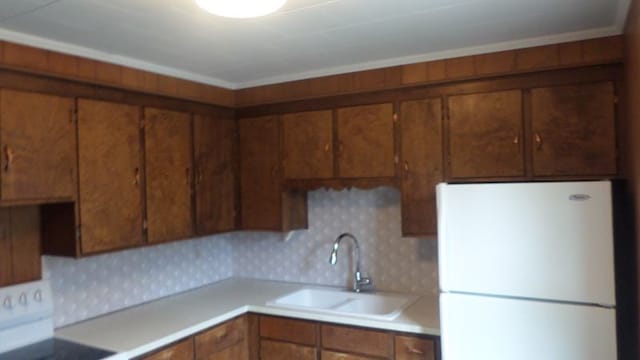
379,306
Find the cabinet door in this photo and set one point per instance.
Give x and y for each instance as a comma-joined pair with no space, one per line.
331,355
238,351
357,340
308,145
38,141
180,351
276,350
19,245
169,175
221,337
574,130
110,176
414,348
366,141
485,133
260,191
215,182
421,134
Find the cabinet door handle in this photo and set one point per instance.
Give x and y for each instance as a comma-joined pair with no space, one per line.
136,176
516,140
8,154
199,177
413,350
327,147
340,147
406,169
538,141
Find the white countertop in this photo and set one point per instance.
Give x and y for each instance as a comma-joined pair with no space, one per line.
144,328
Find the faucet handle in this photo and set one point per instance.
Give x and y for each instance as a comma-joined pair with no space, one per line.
363,283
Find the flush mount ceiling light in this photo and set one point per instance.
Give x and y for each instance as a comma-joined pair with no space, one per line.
240,8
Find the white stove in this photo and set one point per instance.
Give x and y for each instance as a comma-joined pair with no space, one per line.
26,314
26,327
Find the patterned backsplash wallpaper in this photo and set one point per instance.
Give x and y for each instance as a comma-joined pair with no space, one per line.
373,216
97,285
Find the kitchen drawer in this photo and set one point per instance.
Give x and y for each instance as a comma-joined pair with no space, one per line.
360,341
414,348
221,337
238,351
296,331
330,355
179,351
276,350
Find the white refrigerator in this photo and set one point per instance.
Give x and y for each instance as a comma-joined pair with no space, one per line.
526,271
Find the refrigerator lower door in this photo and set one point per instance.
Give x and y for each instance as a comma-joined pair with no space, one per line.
488,328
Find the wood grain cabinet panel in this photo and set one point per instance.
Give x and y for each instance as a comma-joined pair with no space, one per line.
259,173
19,245
221,337
357,340
110,176
485,135
38,143
331,355
234,352
215,179
275,350
421,152
264,205
366,141
183,350
574,130
414,348
308,145
291,330
169,172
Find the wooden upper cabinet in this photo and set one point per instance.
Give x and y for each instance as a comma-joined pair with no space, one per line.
574,130
421,153
485,135
19,245
366,141
308,145
215,178
110,176
169,173
38,141
260,192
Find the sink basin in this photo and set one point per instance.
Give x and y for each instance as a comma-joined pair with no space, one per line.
379,306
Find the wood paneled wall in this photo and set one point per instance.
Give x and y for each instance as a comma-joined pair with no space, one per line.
632,131
51,63
557,56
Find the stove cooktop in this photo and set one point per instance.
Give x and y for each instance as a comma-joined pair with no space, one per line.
56,349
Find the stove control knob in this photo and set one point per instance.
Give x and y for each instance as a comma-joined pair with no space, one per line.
7,303
23,299
37,296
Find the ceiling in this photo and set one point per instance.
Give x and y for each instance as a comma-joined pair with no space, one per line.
306,38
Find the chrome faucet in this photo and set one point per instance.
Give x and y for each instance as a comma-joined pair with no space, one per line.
360,283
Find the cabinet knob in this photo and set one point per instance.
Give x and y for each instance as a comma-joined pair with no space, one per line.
405,166
413,350
136,176
8,155
326,148
538,139
516,140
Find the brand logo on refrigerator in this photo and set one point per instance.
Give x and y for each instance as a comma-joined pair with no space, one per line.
579,197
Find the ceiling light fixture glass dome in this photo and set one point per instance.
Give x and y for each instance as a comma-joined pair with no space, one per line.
241,8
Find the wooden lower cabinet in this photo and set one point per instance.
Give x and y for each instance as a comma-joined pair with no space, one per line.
414,348
278,350
19,245
331,355
182,350
223,341
284,338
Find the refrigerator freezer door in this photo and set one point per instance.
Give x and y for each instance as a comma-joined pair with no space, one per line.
486,328
530,240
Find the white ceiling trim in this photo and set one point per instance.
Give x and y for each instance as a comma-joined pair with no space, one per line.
86,52
448,54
